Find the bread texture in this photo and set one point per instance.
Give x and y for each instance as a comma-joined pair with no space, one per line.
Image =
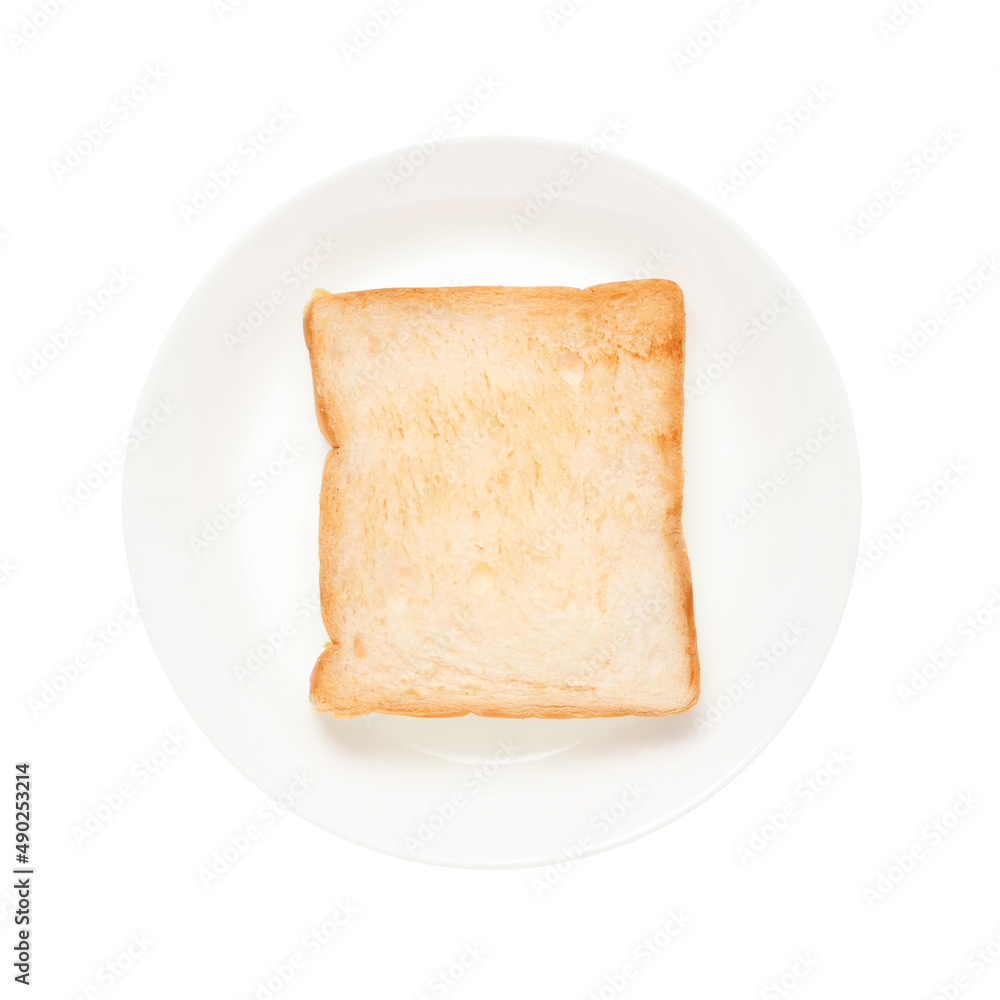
500,512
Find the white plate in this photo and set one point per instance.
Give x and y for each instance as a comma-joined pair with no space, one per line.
471,791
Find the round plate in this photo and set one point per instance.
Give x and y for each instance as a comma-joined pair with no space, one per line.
221,503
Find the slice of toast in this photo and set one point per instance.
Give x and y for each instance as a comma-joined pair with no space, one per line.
500,514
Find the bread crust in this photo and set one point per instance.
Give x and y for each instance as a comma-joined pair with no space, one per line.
631,332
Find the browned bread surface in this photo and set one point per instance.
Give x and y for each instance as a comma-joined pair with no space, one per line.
500,513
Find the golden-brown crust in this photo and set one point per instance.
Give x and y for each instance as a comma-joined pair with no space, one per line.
329,540
322,417
653,332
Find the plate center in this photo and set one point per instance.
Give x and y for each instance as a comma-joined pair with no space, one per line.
472,739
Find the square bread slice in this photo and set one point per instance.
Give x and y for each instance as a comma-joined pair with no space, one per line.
500,514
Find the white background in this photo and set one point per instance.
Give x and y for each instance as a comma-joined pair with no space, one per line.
65,575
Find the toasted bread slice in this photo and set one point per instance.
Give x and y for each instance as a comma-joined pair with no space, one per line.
500,514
